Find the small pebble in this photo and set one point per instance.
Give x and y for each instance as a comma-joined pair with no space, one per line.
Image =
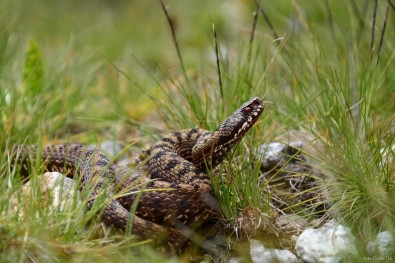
383,246
260,254
111,148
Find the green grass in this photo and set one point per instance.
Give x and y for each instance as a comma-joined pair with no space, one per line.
68,75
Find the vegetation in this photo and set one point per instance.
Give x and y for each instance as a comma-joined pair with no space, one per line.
112,70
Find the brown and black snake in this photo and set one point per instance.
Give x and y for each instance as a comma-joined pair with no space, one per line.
180,195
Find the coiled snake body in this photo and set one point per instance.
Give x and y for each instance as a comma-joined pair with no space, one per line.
178,162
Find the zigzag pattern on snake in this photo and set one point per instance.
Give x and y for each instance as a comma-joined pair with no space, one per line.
178,161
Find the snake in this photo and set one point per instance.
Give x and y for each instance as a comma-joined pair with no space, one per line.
177,194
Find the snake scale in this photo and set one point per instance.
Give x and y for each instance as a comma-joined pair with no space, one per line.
180,193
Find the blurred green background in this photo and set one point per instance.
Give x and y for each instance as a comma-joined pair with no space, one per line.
114,29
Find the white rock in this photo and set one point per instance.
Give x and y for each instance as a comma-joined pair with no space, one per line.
57,192
260,254
326,244
383,246
276,154
235,260
62,189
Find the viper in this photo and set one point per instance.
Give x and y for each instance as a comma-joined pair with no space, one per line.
176,193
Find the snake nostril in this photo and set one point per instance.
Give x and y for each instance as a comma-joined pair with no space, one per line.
247,110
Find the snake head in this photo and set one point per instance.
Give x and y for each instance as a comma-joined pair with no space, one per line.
211,149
